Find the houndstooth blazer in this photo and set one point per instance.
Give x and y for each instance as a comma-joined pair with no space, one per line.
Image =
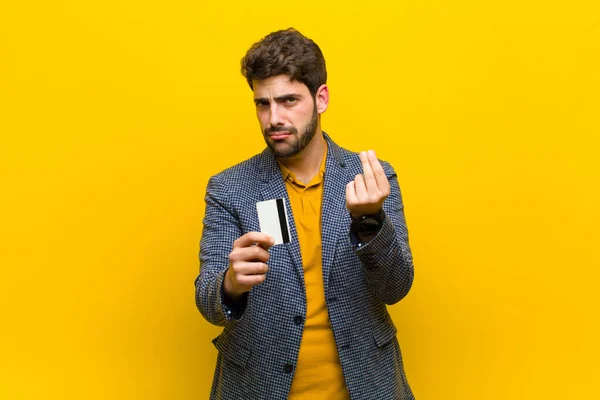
258,348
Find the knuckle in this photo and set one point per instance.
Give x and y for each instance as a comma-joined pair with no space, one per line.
235,267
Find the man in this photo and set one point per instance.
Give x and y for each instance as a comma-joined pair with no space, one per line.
305,319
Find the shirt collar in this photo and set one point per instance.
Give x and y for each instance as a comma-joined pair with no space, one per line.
289,175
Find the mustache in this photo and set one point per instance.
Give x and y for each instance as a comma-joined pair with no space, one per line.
274,129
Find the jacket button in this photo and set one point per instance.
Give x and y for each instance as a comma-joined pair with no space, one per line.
287,368
298,319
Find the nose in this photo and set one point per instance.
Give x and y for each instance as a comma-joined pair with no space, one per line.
275,115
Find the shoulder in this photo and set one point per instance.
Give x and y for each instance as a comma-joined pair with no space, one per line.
246,170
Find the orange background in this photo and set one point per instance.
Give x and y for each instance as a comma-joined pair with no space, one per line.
114,114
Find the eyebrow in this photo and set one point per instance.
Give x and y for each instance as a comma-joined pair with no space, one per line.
278,98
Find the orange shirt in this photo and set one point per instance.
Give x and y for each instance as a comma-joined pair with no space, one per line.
318,371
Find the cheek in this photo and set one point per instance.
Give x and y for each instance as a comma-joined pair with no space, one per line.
263,119
303,118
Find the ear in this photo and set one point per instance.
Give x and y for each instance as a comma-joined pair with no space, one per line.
322,98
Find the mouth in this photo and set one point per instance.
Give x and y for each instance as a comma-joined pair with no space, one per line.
279,135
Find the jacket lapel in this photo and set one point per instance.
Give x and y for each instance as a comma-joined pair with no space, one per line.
273,187
333,211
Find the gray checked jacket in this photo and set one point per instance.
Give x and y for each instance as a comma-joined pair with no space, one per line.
258,348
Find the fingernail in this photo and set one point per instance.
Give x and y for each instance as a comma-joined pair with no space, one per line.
272,241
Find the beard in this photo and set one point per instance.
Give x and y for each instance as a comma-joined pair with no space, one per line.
286,150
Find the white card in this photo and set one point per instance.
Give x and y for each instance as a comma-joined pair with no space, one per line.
273,219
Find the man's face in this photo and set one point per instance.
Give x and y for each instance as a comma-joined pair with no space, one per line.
287,114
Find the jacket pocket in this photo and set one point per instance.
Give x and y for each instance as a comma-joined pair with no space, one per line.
384,331
232,350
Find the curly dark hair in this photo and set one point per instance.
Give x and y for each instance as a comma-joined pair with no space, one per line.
286,52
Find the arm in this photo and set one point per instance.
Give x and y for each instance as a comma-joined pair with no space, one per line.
385,255
230,264
220,229
387,258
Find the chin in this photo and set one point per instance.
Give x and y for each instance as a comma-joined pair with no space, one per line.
281,145
283,150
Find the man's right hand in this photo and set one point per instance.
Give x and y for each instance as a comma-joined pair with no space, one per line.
247,263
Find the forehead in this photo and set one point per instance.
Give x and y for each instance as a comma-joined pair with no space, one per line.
278,85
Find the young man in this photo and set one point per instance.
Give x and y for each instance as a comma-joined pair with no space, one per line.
306,319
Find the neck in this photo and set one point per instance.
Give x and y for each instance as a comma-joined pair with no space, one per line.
306,164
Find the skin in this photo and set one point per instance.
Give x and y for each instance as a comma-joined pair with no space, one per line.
290,119
283,105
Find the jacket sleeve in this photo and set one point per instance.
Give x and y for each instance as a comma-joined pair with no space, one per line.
387,258
220,229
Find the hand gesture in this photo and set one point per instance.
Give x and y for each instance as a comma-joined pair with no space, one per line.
367,192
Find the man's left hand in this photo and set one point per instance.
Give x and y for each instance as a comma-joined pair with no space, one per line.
367,192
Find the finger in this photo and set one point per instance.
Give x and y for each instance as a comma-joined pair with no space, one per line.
251,280
263,245
249,268
361,190
250,238
249,254
369,178
351,194
380,178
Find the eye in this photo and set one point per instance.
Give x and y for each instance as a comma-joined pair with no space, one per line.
291,100
261,103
